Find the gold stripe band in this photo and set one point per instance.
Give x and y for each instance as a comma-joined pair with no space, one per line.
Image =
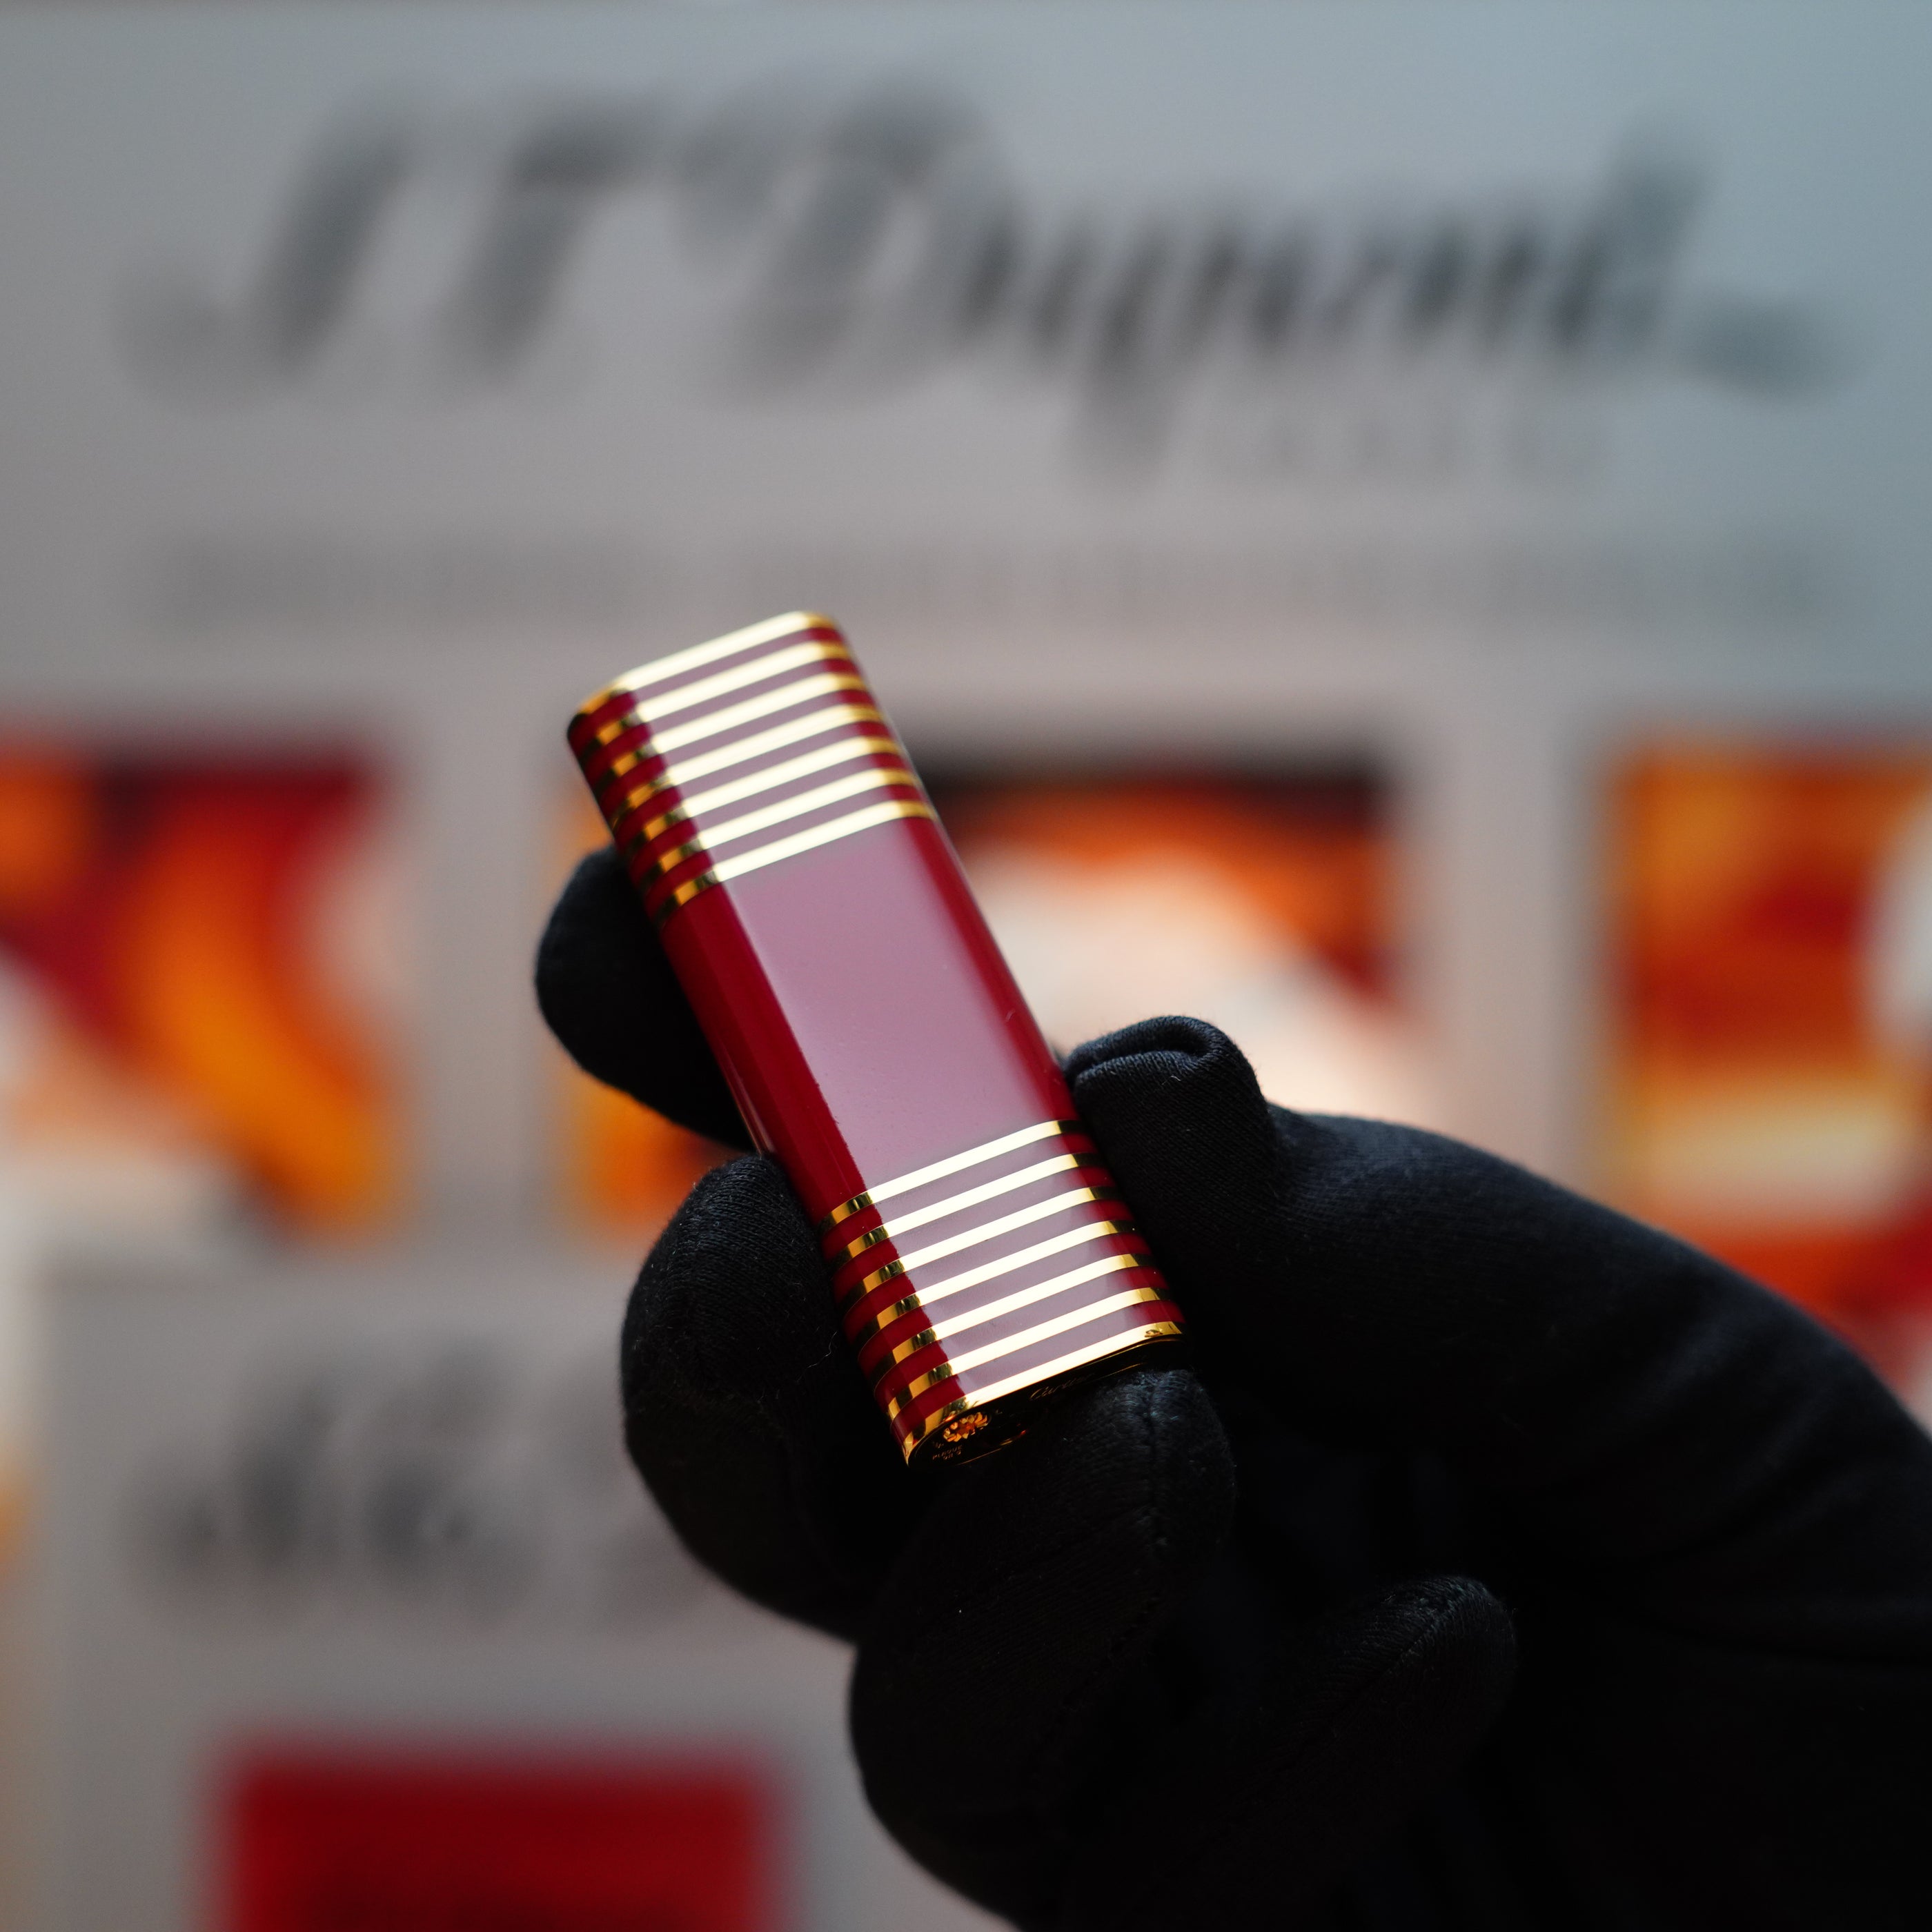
990,1231
1057,1324
1012,1345
940,1170
783,699
1077,1358
987,1190
714,652
710,837
975,1277
786,848
876,779
909,1304
669,862
1061,1365
1024,1297
682,697
769,779
706,763
991,1190
660,744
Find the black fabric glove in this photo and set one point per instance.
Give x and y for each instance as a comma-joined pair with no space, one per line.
1500,1562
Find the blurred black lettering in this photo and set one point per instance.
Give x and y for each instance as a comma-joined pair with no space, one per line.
876,240
551,183
310,272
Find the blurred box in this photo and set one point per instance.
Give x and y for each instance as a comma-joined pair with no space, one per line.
340,1841
198,984
1769,1083
353,1606
1262,899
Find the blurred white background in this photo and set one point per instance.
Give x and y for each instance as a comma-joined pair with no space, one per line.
1489,396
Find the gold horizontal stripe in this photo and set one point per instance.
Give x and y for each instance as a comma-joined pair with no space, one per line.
877,778
940,1170
1024,1217
701,691
977,1277
800,692
861,820
1057,1324
877,1279
698,655
1061,1365
621,767
988,1190
843,1211
659,744
904,1352
907,1305
709,838
1075,1358
1012,1345
787,848
917,1387
631,846
687,770
973,1318
667,862
769,779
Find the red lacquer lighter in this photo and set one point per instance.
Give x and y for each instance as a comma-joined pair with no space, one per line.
875,1042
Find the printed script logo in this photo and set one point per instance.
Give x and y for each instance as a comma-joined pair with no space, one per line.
887,238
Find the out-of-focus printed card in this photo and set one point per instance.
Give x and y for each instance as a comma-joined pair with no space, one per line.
198,986
1769,1090
385,1840
1262,900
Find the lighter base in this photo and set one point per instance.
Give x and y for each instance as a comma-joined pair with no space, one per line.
963,1433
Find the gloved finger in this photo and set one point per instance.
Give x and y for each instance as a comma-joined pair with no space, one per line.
1030,1591
608,994
745,1411
1174,1108
1648,1413
1251,1811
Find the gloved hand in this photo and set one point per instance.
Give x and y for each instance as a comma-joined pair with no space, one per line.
1500,1562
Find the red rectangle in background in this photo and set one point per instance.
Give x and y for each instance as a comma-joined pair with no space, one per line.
341,1843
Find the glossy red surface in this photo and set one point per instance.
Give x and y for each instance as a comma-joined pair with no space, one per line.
817,919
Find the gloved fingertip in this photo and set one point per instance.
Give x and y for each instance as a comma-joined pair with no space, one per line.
607,992
1036,1582
745,1413
1145,1448
731,1306
1175,1041
1456,1648
1181,1121
1181,1078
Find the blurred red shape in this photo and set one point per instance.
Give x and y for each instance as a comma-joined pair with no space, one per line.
384,1843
